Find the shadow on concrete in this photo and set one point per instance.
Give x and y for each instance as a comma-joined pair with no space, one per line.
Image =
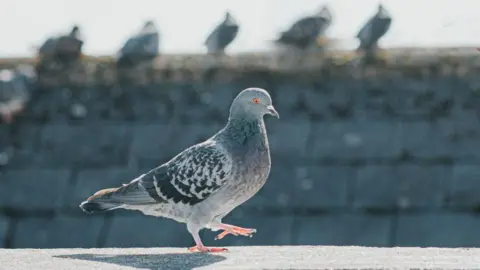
169,261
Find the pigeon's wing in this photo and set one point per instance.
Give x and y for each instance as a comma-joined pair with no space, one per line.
364,33
48,47
150,43
190,177
212,39
304,27
129,46
144,44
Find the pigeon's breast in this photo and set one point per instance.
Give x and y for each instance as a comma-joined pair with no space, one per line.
250,174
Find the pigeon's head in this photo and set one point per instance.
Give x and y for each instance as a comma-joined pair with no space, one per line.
382,12
149,27
75,31
229,20
325,13
252,103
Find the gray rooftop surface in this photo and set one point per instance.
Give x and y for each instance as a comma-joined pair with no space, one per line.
259,257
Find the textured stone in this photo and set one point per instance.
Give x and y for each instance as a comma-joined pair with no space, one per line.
85,146
438,230
60,232
289,102
21,143
305,187
90,181
424,140
355,140
422,187
4,223
323,186
101,103
152,147
33,189
288,140
134,229
404,186
151,143
198,104
465,187
444,140
343,229
138,103
398,141
188,135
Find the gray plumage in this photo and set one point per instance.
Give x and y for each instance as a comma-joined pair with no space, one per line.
224,34
374,29
143,46
15,90
206,181
305,31
67,47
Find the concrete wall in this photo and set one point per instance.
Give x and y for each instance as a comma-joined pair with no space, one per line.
380,160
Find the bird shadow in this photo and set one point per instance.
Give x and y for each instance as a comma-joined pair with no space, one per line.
168,261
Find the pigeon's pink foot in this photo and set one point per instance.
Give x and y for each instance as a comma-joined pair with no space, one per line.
207,249
234,230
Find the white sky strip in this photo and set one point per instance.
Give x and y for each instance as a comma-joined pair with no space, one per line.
184,24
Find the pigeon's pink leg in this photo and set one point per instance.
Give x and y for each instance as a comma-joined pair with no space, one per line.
234,230
201,248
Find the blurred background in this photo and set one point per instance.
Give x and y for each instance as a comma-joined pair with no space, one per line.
377,143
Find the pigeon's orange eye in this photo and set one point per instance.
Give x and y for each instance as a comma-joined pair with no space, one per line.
255,100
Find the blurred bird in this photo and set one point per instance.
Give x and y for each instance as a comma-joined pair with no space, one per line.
373,30
222,35
143,46
306,31
69,47
63,48
206,181
15,91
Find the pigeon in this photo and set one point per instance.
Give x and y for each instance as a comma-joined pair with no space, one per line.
64,48
373,30
141,47
222,35
15,88
305,31
206,181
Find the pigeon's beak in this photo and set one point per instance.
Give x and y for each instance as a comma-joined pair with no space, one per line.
272,111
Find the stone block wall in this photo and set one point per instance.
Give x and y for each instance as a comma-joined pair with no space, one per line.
390,159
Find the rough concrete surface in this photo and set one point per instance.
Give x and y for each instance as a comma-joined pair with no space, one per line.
258,257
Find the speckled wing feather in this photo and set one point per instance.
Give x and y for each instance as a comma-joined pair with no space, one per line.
191,176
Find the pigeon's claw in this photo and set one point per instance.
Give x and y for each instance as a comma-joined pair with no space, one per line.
234,230
206,249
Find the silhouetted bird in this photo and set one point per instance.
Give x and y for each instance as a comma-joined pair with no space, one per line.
373,30
222,35
15,91
143,46
304,32
63,48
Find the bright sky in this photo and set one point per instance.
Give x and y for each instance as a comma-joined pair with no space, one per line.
184,24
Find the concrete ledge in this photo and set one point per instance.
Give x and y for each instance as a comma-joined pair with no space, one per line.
264,257
101,70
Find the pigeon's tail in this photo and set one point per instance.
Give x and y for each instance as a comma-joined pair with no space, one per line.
97,207
101,201
119,197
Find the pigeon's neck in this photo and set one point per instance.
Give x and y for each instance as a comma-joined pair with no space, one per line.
246,131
